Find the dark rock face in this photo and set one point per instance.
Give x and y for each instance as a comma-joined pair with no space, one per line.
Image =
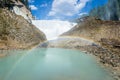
17,33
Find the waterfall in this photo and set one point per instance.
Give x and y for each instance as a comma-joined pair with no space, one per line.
53,28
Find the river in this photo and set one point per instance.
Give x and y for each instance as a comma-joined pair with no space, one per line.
51,64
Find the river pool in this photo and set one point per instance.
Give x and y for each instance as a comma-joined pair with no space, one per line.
51,64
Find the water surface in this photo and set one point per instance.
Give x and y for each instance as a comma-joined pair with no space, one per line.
51,64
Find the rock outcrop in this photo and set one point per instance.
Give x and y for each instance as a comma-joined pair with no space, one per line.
20,9
17,33
97,30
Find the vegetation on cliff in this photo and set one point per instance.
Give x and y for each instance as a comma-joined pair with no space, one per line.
110,11
11,3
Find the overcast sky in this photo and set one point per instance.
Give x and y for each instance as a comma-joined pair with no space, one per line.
62,9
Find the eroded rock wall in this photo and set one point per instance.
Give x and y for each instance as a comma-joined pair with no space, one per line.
17,33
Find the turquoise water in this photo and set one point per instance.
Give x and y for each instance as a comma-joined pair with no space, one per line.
51,64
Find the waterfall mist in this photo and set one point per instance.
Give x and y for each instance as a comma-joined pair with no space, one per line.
53,28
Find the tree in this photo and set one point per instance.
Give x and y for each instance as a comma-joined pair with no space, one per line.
109,11
26,3
6,3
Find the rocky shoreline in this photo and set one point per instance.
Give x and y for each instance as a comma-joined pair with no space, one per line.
110,60
106,34
107,58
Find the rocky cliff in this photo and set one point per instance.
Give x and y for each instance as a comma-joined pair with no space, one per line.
97,30
19,7
16,32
